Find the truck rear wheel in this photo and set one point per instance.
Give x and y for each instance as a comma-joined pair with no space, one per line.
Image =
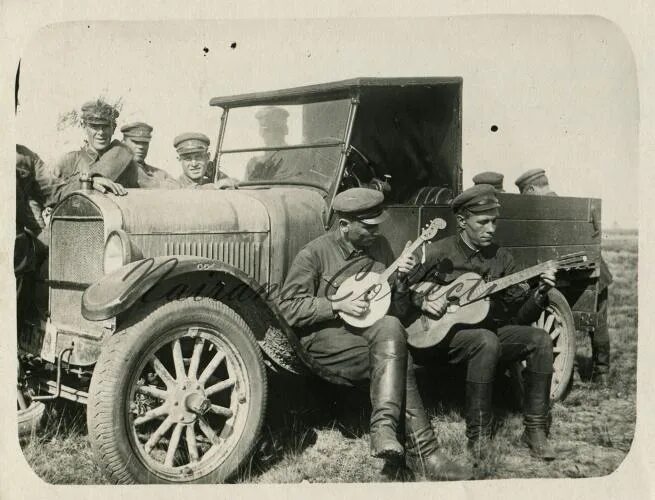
557,320
178,396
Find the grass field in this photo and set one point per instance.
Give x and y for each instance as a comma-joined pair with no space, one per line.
325,439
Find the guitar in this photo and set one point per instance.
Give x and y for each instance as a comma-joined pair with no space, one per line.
374,287
468,299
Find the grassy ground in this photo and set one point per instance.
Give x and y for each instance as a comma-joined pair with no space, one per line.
325,440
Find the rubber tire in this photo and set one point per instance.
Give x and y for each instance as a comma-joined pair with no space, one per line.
560,389
561,386
119,357
30,419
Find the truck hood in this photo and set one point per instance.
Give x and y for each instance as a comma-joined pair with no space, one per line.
147,211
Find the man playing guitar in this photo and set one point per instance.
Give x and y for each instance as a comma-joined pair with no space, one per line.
376,353
503,336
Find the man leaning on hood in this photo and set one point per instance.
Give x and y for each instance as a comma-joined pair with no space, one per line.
109,163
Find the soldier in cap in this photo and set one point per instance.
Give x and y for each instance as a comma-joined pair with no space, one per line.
504,336
109,163
492,178
534,182
377,354
193,155
280,164
137,137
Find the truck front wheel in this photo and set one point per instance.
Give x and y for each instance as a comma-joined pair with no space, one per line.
178,396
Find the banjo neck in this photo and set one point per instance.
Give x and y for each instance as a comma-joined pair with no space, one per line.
386,274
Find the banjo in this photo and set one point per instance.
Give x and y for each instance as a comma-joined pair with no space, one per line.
468,299
374,287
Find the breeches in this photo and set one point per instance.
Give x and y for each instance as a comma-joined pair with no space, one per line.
483,350
344,350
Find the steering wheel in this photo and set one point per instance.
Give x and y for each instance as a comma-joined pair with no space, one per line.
358,171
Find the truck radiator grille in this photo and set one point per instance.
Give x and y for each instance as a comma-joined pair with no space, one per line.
245,255
77,250
76,255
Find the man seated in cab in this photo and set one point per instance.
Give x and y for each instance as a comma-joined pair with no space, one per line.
503,337
137,137
275,164
109,163
193,154
377,354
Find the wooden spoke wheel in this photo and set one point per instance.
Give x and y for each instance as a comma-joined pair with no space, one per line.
179,396
557,320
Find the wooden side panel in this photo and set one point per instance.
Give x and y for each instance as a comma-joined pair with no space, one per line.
533,233
516,206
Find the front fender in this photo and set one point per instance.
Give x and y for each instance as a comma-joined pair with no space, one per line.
119,290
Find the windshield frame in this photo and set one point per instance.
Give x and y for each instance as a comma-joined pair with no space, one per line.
344,142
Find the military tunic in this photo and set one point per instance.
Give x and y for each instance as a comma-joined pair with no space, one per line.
116,164
150,177
277,165
188,183
33,183
504,336
315,275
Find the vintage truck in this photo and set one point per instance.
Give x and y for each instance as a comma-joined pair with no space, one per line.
161,313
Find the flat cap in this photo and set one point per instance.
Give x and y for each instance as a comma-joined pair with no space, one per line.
362,203
494,179
99,112
479,198
272,116
529,176
191,142
137,131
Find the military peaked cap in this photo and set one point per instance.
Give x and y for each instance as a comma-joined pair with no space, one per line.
528,177
362,203
272,116
493,178
191,142
479,198
137,131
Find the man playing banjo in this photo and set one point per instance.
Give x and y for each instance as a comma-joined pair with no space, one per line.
377,353
503,336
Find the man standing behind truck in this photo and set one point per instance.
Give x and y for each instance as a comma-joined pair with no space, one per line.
535,182
108,163
137,137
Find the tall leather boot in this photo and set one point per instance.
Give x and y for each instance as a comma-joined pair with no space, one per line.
600,356
536,409
388,367
422,456
479,417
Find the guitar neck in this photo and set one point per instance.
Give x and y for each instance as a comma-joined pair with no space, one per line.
394,266
505,282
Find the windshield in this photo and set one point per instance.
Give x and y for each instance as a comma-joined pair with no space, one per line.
295,144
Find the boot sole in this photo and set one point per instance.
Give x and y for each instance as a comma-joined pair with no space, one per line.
388,453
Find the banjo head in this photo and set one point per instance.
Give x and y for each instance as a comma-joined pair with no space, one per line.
365,286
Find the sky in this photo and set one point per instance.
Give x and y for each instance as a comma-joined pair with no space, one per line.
561,90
